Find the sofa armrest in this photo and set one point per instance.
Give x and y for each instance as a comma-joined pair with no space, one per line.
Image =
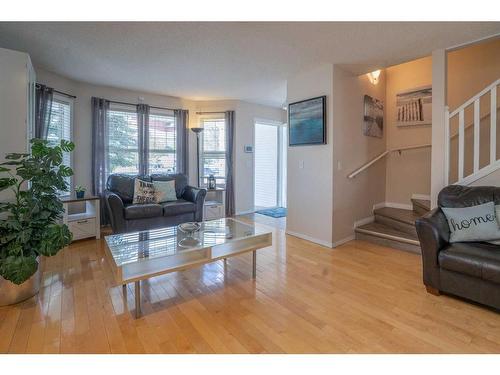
116,212
197,196
433,233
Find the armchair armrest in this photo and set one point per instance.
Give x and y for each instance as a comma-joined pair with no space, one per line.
197,196
433,233
115,208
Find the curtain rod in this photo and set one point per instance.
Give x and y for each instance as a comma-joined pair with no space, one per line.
60,92
132,104
207,113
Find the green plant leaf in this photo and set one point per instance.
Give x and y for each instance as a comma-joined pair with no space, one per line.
67,146
18,269
54,238
65,171
15,156
3,169
6,183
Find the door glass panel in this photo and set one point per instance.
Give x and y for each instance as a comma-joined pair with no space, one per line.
266,165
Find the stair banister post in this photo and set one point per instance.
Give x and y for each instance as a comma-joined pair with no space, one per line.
446,145
438,124
493,125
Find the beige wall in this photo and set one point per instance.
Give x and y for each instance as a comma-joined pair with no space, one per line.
310,168
353,199
471,69
245,113
410,172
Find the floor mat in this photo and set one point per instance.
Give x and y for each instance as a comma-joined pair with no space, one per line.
273,212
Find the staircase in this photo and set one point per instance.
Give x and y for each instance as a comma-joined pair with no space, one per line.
395,227
458,161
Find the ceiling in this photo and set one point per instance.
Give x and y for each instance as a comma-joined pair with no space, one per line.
214,60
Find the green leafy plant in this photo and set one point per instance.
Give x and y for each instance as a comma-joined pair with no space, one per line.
80,188
29,224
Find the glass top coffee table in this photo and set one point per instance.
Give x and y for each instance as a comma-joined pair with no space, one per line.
141,255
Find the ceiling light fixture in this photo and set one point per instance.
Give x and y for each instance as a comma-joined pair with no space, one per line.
374,76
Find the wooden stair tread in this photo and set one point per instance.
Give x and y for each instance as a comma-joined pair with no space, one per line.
399,214
385,231
424,203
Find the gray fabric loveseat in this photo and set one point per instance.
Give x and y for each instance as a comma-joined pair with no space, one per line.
128,217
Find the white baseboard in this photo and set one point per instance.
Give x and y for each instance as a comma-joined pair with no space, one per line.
364,221
378,205
344,240
425,197
245,212
309,238
399,205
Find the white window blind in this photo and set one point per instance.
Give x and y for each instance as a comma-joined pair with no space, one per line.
213,151
123,141
60,127
162,143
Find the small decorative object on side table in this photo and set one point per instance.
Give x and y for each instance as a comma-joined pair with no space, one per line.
211,182
80,191
83,224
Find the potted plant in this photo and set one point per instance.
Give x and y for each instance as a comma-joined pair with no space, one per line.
80,191
29,223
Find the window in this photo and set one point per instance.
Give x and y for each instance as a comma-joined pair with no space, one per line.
162,143
123,141
60,127
213,151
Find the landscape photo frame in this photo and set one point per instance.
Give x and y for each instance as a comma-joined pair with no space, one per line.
307,122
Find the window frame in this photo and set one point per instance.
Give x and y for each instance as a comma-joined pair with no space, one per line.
128,109
69,101
163,113
203,180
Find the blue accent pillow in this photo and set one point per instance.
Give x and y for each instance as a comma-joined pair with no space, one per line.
472,224
165,191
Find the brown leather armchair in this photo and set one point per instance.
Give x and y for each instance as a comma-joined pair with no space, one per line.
469,270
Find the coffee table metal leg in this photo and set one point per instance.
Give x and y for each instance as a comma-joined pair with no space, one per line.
254,264
137,299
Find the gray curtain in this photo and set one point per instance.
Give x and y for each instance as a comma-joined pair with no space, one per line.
100,154
229,163
143,127
182,129
43,105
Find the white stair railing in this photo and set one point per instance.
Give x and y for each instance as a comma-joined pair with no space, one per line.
460,112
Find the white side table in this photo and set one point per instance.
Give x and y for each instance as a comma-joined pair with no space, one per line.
85,224
215,204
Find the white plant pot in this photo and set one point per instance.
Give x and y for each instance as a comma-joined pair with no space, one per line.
11,293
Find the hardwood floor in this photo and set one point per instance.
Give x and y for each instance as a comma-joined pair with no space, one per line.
358,298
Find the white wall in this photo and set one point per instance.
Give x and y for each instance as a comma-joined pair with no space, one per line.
245,116
244,125
310,199
13,104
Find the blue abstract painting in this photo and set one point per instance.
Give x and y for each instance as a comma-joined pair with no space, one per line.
307,122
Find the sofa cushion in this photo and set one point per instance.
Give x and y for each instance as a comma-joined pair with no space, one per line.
477,259
143,211
180,181
472,224
123,185
466,196
178,207
165,191
144,192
